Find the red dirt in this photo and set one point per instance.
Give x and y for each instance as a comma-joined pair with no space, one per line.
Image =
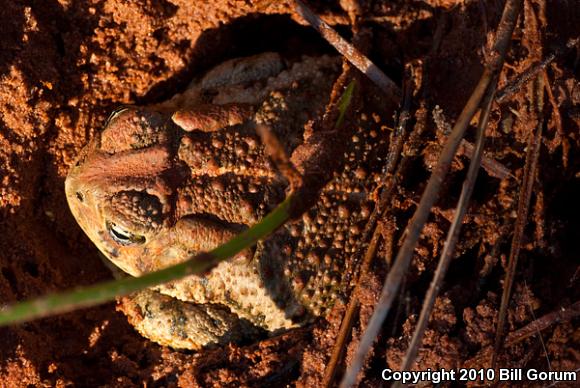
65,64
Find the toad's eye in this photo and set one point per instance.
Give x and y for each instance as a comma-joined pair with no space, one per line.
115,114
123,236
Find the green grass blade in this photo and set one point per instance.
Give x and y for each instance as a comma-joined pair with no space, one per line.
103,292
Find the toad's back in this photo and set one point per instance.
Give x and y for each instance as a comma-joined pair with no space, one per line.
163,182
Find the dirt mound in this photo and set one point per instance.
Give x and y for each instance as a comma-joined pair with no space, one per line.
64,65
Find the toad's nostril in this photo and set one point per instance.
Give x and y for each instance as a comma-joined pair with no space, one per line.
80,196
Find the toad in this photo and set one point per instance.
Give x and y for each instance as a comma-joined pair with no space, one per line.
163,182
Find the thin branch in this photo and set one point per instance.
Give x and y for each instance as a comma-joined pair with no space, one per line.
349,316
413,231
453,234
559,137
389,183
538,332
279,157
354,56
562,314
532,155
516,84
490,165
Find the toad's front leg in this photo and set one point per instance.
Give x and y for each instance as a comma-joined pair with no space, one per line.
184,325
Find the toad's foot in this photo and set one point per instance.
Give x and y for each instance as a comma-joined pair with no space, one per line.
184,325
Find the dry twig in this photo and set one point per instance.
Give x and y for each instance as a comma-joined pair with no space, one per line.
490,165
354,56
559,136
276,152
453,234
349,316
413,231
532,155
562,314
516,84
389,183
